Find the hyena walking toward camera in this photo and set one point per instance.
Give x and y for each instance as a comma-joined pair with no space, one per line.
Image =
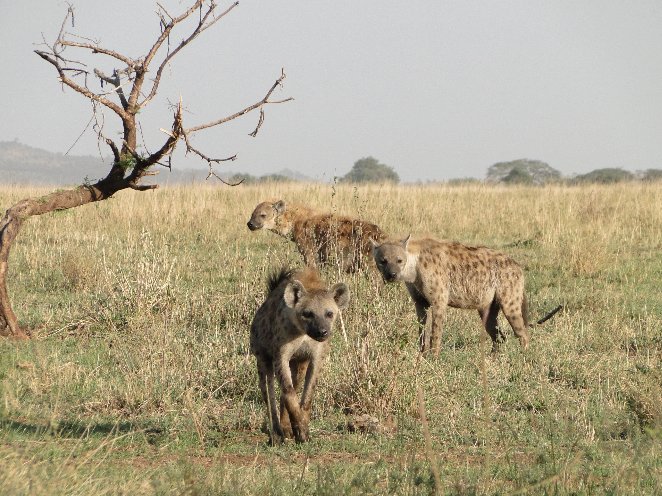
439,274
290,338
318,235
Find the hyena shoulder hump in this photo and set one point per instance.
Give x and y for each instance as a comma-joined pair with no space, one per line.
310,278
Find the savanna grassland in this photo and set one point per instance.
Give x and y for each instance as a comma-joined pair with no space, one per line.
138,378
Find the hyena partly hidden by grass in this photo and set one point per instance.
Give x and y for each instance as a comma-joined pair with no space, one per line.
439,274
318,235
290,338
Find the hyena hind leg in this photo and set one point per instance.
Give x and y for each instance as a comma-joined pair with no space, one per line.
489,317
515,312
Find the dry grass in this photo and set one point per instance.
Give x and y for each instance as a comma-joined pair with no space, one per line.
139,380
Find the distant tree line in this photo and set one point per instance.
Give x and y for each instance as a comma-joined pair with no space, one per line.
535,172
267,178
522,171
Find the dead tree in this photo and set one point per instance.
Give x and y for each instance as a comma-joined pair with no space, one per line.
125,92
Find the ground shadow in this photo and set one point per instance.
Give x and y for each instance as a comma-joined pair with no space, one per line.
76,429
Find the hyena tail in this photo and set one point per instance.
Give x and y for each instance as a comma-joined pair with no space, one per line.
546,317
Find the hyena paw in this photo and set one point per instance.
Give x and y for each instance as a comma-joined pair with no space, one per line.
301,434
287,432
276,439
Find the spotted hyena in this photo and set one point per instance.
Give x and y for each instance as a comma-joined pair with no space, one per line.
439,274
290,338
318,235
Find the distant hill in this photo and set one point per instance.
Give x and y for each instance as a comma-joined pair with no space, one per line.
23,164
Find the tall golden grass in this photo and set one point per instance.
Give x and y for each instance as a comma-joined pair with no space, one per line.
139,380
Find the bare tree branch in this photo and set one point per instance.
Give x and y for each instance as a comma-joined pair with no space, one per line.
190,148
69,14
259,123
213,174
165,34
167,148
97,49
202,25
116,81
256,105
80,135
134,72
143,187
81,89
114,149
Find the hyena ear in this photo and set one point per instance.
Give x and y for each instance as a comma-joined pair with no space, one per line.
340,295
280,206
405,242
294,291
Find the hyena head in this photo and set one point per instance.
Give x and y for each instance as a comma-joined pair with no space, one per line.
316,310
391,258
265,214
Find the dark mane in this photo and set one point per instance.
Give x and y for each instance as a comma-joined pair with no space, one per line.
276,277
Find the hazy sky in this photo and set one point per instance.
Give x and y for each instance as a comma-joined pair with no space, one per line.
436,89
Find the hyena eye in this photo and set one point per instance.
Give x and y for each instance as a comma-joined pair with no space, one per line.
263,215
399,260
329,314
307,314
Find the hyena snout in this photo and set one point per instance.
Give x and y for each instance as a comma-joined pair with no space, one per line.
252,226
318,331
389,274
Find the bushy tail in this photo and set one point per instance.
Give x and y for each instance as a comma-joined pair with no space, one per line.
278,276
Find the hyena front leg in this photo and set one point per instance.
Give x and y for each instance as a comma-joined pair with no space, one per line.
437,315
289,398
307,395
265,372
298,371
422,305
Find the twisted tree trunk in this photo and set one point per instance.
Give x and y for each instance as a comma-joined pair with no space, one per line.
22,211
129,167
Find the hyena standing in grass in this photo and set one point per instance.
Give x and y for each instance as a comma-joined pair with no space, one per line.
318,235
290,338
439,274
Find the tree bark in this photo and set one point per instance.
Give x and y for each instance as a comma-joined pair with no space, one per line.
20,212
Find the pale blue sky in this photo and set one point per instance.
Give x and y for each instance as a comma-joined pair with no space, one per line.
436,89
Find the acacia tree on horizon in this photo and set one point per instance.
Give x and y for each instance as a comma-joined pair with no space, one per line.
130,91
